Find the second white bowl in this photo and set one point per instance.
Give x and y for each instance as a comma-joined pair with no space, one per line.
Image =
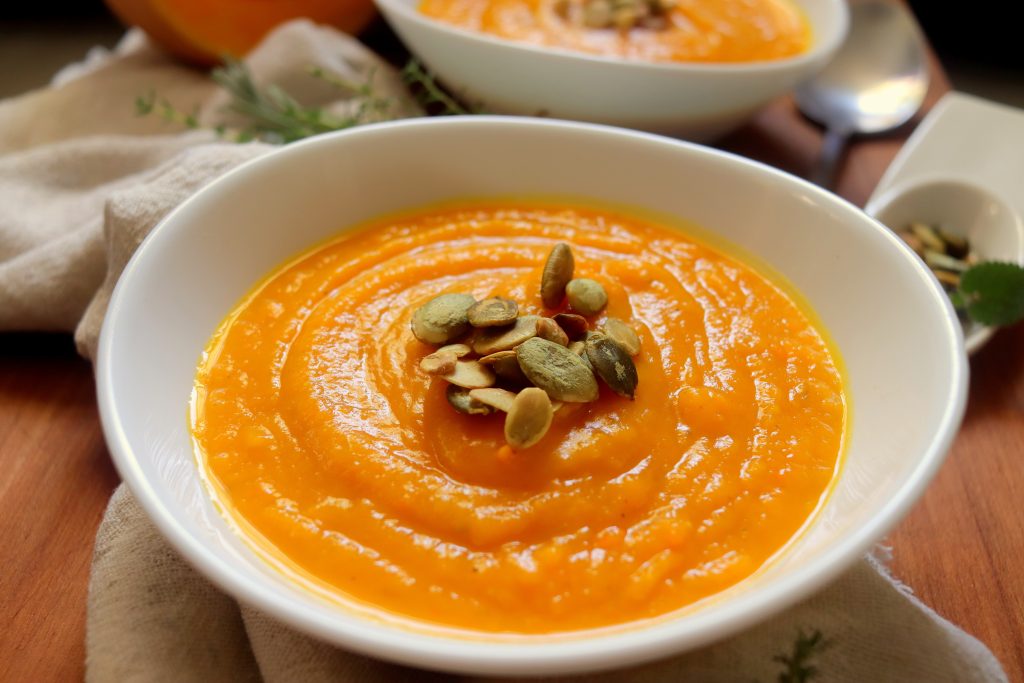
692,100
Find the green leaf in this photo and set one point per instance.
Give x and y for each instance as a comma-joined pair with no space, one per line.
993,293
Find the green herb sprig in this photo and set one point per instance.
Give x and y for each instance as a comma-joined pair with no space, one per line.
272,115
991,293
798,667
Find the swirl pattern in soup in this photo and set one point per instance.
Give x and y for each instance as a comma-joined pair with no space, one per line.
318,431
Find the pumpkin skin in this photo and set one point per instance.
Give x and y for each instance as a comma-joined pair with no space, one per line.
201,32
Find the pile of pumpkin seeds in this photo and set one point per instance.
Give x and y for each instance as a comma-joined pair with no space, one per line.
528,366
621,15
948,255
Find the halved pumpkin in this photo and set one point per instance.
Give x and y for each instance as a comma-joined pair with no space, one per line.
201,31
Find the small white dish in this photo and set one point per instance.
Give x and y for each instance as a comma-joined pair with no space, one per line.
972,140
991,225
696,101
965,138
894,328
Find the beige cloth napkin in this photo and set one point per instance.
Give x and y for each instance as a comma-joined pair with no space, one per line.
82,182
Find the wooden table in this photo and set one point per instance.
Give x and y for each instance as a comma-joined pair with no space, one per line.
960,549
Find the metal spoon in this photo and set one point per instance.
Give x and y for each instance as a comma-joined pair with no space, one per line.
876,82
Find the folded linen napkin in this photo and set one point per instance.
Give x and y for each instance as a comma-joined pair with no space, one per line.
81,183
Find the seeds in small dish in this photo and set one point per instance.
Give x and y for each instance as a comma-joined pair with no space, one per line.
623,334
949,256
470,374
528,419
612,364
442,319
556,275
460,399
586,297
493,339
557,370
493,312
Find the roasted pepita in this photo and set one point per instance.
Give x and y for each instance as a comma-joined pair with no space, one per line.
470,374
506,367
442,319
574,326
528,419
586,297
461,400
495,398
612,364
492,312
557,370
623,334
493,339
550,330
438,363
556,275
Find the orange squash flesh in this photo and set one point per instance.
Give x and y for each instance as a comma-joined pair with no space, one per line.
203,31
318,431
696,31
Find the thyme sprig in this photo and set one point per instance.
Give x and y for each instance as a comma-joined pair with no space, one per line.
273,115
798,667
429,94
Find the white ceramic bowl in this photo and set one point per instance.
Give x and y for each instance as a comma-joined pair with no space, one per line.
893,325
693,101
993,228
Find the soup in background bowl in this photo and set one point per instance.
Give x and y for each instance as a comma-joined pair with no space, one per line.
709,31
891,325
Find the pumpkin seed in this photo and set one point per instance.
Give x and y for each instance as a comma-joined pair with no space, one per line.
528,419
506,367
495,398
470,374
623,334
586,296
556,275
549,329
492,312
442,361
612,364
557,370
928,236
442,319
493,339
438,363
463,402
597,14
580,349
575,326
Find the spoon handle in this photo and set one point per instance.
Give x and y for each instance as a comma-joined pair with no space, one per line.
832,147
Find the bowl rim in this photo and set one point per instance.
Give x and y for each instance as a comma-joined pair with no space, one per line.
876,206
819,49
459,654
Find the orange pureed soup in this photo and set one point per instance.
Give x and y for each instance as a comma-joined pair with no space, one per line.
319,433
692,31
